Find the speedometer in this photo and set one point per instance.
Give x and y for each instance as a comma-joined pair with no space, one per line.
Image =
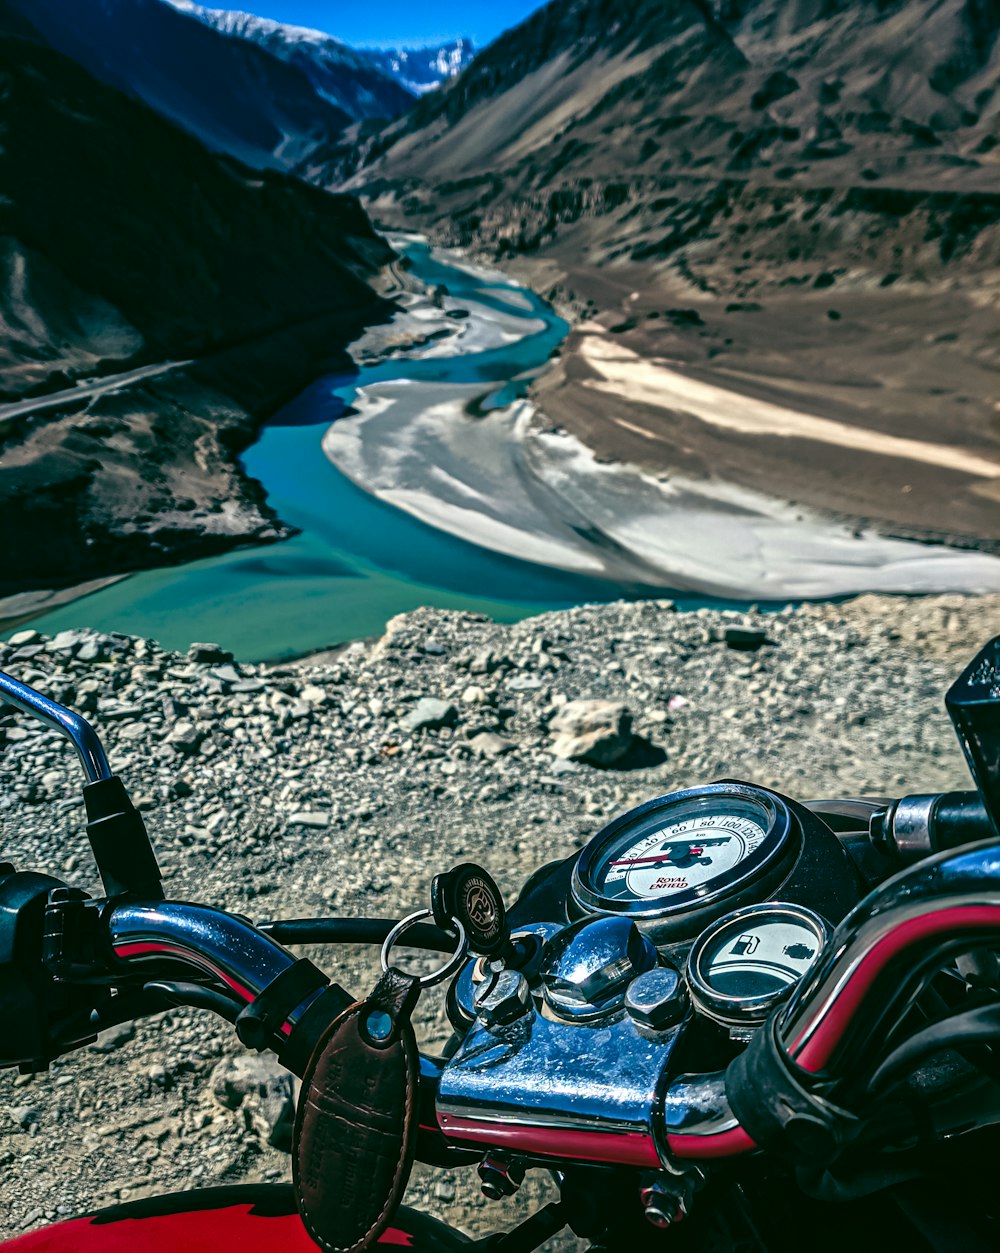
681,852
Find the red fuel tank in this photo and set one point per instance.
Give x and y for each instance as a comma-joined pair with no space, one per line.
250,1219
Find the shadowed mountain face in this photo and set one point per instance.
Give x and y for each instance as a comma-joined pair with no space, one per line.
359,83
128,246
598,110
237,96
191,250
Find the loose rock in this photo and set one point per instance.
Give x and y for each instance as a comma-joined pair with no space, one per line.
597,731
429,713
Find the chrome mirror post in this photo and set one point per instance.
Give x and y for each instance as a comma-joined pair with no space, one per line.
76,729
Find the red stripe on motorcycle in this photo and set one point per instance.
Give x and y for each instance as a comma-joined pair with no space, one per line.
722,1144
819,1048
626,1148
196,1231
160,949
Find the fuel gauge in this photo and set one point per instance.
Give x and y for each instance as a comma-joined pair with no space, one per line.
740,967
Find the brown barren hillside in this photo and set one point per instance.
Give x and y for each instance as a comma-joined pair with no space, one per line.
794,201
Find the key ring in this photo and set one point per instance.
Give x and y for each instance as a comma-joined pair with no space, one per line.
450,967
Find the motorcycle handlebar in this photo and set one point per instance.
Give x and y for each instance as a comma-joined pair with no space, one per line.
874,966
227,948
77,730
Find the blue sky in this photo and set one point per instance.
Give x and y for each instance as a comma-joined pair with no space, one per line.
384,23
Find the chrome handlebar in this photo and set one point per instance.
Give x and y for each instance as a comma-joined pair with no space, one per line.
492,1092
215,943
223,946
873,968
881,953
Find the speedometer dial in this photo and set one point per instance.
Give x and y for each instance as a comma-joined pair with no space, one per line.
678,852
682,855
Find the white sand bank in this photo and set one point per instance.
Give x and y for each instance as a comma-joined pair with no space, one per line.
502,482
624,373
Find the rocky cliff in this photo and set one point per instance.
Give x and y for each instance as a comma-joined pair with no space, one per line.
211,291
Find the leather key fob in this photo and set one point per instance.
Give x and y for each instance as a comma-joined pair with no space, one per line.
356,1122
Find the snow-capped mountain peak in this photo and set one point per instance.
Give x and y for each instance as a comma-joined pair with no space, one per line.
416,70
422,69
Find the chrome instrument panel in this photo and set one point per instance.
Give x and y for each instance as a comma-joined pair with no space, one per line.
544,1088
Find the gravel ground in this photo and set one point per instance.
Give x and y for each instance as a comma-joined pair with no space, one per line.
342,783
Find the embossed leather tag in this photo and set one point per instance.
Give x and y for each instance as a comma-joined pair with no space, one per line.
356,1122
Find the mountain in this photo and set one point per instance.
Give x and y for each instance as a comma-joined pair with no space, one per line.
157,302
360,84
422,69
795,201
363,91
234,94
589,92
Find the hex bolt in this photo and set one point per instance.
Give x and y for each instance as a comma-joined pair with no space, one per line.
666,1199
502,997
657,999
662,1212
500,1175
661,1204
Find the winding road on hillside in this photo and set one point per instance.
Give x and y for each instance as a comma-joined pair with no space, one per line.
69,396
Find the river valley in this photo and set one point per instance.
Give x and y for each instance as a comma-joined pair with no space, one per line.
425,479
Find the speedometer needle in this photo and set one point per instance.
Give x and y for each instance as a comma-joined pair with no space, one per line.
694,851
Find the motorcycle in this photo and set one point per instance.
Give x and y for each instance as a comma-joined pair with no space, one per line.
733,1021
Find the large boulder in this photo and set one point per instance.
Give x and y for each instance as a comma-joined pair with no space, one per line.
265,1092
429,714
597,731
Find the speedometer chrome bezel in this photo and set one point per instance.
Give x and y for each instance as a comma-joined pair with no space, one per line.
777,845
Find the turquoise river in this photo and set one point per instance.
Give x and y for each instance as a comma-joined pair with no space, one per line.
357,561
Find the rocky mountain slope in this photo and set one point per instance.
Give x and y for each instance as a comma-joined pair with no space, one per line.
262,101
586,108
329,787
789,200
213,291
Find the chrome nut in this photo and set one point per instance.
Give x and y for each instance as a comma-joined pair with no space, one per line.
666,1201
502,997
500,1175
657,999
587,967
